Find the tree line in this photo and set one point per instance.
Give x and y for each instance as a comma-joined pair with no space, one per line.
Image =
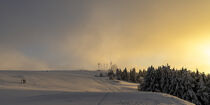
192,86
125,75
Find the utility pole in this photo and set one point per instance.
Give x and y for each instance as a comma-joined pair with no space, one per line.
110,65
99,65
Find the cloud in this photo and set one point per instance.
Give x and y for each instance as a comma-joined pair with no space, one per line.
14,60
78,34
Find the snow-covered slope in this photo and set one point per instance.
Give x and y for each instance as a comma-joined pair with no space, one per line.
74,88
73,81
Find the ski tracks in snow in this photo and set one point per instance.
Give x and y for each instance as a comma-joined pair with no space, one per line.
102,99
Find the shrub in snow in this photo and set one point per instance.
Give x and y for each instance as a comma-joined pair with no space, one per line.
100,75
111,74
23,81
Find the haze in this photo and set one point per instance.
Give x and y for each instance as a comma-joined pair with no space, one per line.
77,34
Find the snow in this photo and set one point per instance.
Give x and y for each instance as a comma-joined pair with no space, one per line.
74,88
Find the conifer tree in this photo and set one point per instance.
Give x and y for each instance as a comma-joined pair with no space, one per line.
118,74
190,86
125,75
133,75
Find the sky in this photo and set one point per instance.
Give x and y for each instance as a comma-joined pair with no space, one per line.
77,34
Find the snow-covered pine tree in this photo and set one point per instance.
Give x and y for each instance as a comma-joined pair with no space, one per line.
148,80
191,86
125,75
118,74
133,75
140,76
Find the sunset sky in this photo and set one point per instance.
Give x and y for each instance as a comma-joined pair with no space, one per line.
77,34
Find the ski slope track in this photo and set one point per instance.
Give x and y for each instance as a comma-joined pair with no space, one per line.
75,88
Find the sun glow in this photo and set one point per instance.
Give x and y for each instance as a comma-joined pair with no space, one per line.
207,51
196,53
204,51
